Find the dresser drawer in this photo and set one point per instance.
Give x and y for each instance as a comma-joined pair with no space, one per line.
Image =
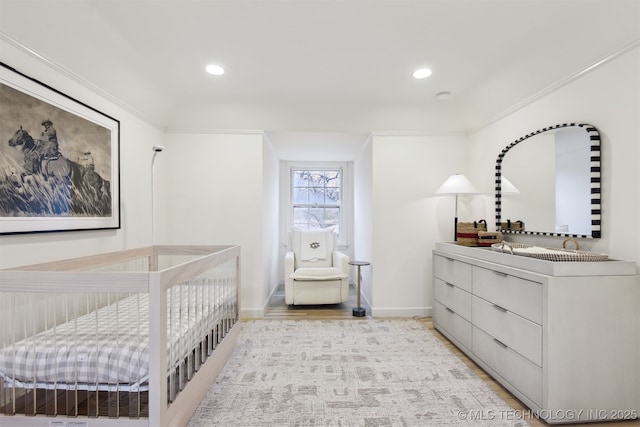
457,327
520,296
456,272
516,332
515,369
453,297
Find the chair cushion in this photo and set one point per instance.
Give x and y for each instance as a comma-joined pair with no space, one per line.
329,243
312,273
313,245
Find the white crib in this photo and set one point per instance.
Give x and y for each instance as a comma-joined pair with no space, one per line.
132,338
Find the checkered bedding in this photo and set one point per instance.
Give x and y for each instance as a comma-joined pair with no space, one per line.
109,346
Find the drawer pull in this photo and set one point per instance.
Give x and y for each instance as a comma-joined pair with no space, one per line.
449,310
502,309
500,273
500,343
449,284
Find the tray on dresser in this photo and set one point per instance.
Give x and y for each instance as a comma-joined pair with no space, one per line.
549,254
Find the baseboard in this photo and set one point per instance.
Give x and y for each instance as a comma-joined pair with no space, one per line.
401,311
252,313
258,313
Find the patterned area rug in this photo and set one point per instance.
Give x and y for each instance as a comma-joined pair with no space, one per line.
369,372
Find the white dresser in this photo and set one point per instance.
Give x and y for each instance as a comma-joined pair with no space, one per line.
564,337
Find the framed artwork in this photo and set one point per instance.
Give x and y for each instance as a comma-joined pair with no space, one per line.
59,160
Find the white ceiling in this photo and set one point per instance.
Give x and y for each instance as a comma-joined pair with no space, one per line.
322,66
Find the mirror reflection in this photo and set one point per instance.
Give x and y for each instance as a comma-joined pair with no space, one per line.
552,184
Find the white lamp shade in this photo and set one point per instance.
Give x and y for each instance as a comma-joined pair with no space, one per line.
507,187
457,184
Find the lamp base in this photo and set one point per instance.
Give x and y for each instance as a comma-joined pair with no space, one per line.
455,229
359,312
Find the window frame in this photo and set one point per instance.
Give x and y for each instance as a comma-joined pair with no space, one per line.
345,196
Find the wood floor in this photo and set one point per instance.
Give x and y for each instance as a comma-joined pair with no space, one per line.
277,309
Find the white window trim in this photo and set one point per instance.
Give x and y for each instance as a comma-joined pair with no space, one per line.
346,217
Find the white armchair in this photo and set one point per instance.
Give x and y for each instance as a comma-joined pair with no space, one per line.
315,272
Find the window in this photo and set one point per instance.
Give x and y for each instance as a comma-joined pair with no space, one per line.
317,197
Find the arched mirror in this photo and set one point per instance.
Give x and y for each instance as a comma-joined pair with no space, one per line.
548,183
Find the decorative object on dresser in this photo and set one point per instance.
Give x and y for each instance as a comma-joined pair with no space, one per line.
557,173
456,185
488,238
467,232
512,225
550,254
563,337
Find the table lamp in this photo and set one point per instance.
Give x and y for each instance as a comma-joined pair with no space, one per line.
456,185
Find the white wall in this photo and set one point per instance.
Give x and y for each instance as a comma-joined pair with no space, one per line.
607,97
363,218
212,191
136,140
270,221
408,218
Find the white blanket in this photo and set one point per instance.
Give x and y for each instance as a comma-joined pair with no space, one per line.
313,245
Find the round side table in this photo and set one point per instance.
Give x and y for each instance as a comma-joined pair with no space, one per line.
359,311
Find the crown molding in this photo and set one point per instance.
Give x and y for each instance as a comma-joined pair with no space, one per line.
174,130
77,79
557,85
419,133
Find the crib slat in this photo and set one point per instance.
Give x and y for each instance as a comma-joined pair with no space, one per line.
93,396
7,328
134,396
113,401
71,399
171,316
134,405
189,324
72,392
5,399
30,332
49,322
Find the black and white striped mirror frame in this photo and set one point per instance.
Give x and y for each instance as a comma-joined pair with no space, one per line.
594,137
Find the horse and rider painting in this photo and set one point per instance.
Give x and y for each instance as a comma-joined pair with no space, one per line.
77,188
53,163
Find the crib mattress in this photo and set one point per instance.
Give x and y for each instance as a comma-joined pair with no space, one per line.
107,347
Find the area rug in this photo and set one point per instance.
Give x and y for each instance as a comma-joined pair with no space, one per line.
373,373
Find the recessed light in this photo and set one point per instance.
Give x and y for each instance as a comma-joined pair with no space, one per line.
422,73
216,70
443,96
